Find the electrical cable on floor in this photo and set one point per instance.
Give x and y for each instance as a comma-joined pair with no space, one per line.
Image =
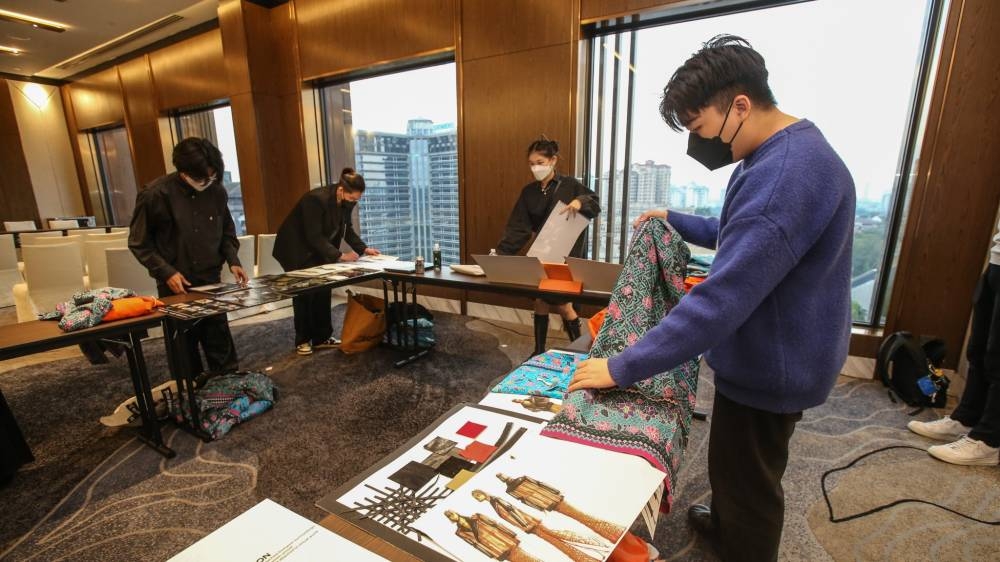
829,506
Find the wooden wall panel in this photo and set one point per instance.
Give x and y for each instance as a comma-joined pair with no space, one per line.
97,100
190,72
348,35
527,24
17,198
141,119
954,203
498,125
596,10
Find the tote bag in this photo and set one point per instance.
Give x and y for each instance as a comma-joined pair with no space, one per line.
364,323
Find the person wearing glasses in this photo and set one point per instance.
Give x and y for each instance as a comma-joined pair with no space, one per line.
183,233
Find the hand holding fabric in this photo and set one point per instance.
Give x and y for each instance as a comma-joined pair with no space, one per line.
652,213
592,373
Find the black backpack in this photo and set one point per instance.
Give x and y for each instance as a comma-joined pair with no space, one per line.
908,367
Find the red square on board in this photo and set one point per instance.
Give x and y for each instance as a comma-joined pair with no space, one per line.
471,430
478,452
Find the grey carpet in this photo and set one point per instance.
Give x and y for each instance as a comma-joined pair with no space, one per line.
96,494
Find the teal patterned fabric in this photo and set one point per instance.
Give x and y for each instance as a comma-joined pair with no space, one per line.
546,374
86,309
651,419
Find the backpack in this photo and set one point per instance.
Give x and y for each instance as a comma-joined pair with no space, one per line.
908,367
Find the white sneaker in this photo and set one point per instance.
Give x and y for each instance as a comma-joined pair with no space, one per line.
944,429
968,452
304,349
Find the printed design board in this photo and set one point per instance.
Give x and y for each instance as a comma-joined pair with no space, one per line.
558,235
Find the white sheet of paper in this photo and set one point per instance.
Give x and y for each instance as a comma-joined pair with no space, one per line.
651,513
610,486
558,235
268,531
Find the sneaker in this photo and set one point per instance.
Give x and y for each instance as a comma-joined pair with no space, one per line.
327,344
944,429
968,452
304,349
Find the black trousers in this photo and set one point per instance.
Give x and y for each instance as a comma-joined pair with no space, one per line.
13,450
313,323
747,455
980,404
212,335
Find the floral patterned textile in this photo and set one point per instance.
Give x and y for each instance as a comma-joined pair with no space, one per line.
86,309
652,418
227,400
546,374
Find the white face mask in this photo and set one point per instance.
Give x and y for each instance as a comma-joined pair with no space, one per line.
199,186
541,171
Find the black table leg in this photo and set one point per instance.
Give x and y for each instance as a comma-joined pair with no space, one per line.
175,335
149,433
418,352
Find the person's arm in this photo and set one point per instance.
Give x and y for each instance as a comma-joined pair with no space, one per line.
230,246
700,231
755,257
312,223
141,238
518,230
352,238
590,203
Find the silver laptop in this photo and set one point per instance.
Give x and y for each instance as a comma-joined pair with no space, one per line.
596,276
518,270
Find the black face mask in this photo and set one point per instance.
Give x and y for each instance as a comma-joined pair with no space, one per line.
713,153
349,205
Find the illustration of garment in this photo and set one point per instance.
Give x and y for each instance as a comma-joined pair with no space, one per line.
490,537
562,540
547,374
85,309
544,497
539,404
652,418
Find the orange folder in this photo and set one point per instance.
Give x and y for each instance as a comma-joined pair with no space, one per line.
558,278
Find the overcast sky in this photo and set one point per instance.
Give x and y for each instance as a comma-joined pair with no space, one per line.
847,65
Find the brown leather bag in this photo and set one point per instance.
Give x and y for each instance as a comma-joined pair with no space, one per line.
364,323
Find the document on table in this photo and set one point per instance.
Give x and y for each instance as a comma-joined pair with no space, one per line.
269,531
558,235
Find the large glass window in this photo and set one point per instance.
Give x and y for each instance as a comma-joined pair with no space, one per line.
216,125
398,131
115,174
862,88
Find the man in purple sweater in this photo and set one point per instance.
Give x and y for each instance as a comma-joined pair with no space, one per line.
774,317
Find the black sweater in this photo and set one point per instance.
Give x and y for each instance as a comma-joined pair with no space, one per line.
534,206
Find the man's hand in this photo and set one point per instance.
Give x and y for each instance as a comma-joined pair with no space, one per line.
372,252
177,282
239,274
592,373
572,208
349,256
654,213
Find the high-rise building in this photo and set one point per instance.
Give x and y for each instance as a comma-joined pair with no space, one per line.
648,188
411,200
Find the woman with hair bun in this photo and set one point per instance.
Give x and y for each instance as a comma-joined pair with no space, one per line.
311,236
532,209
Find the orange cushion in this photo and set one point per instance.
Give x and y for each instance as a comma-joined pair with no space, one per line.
131,307
596,321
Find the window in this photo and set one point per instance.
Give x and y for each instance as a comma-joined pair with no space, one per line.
398,131
116,175
216,125
863,90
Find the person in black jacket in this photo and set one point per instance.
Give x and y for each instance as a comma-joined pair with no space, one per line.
183,232
532,209
311,236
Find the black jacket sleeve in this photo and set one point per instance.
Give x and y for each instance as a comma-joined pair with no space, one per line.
230,246
142,235
590,205
312,225
518,229
352,238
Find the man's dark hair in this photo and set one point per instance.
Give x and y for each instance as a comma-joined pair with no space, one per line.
725,67
351,181
198,158
545,146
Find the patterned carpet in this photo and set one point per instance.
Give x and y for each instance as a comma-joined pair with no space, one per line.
96,494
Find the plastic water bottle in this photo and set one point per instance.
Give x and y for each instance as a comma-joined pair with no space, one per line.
493,251
437,257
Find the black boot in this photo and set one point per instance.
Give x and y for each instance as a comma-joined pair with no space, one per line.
572,328
541,330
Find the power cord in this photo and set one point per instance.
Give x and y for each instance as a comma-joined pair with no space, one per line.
829,506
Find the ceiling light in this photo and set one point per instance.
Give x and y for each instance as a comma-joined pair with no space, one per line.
10,50
37,95
37,23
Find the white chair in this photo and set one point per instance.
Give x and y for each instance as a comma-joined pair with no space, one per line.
97,259
124,271
63,224
246,254
19,226
9,274
52,273
266,264
76,240
28,238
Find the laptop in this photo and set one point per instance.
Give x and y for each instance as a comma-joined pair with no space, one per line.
595,275
516,270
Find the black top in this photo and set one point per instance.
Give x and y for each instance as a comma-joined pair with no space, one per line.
534,206
176,228
312,232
